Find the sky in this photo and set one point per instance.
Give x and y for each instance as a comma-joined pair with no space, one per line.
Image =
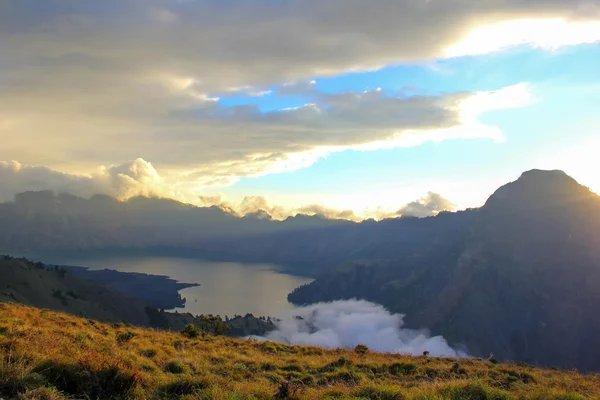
342,108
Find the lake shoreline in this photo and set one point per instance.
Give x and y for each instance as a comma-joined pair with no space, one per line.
224,288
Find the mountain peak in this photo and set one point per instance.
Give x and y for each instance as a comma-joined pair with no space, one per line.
537,189
544,174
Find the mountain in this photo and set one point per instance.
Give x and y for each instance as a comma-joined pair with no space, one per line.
47,222
520,280
517,277
50,355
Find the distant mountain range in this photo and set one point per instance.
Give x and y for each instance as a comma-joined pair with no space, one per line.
45,221
518,277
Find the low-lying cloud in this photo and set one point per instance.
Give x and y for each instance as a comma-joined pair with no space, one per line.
427,206
123,181
140,178
347,323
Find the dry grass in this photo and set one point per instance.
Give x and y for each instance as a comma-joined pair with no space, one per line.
49,355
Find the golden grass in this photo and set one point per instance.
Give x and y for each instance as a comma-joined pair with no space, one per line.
50,355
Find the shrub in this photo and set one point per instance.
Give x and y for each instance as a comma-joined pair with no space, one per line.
108,381
361,349
43,393
379,393
175,367
184,387
268,367
292,368
148,353
402,368
190,331
124,337
473,391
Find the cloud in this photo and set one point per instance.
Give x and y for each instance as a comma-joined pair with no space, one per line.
207,144
122,181
345,324
139,178
427,206
97,83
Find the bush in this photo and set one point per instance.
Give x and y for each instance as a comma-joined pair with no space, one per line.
402,368
148,353
379,393
43,393
361,349
86,381
175,367
125,337
184,387
473,391
190,331
268,367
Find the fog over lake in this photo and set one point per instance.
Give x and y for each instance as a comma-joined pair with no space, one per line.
226,288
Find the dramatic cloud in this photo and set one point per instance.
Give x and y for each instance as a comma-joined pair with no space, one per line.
88,83
427,206
122,181
207,144
345,324
140,178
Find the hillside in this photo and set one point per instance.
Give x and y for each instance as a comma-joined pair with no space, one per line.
50,355
34,284
521,282
109,297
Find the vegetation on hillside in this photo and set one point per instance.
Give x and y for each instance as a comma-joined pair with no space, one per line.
50,355
39,285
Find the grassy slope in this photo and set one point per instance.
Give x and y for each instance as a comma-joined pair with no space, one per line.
25,282
48,355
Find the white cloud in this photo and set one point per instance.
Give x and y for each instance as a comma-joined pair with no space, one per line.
88,83
121,181
139,178
348,323
430,205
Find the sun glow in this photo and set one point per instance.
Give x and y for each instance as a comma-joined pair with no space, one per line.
579,161
545,33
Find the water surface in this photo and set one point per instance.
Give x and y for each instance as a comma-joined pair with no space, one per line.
226,288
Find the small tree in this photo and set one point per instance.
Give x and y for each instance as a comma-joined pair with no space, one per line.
361,349
190,331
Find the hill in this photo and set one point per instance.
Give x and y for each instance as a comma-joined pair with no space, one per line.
110,296
51,355
36,285
520,279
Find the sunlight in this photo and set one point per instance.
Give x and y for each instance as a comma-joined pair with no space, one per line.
545,33
580,161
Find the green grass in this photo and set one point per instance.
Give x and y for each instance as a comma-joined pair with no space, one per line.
50,355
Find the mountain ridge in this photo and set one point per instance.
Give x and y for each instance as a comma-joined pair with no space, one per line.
522,270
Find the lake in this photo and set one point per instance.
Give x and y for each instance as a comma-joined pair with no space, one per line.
227,288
